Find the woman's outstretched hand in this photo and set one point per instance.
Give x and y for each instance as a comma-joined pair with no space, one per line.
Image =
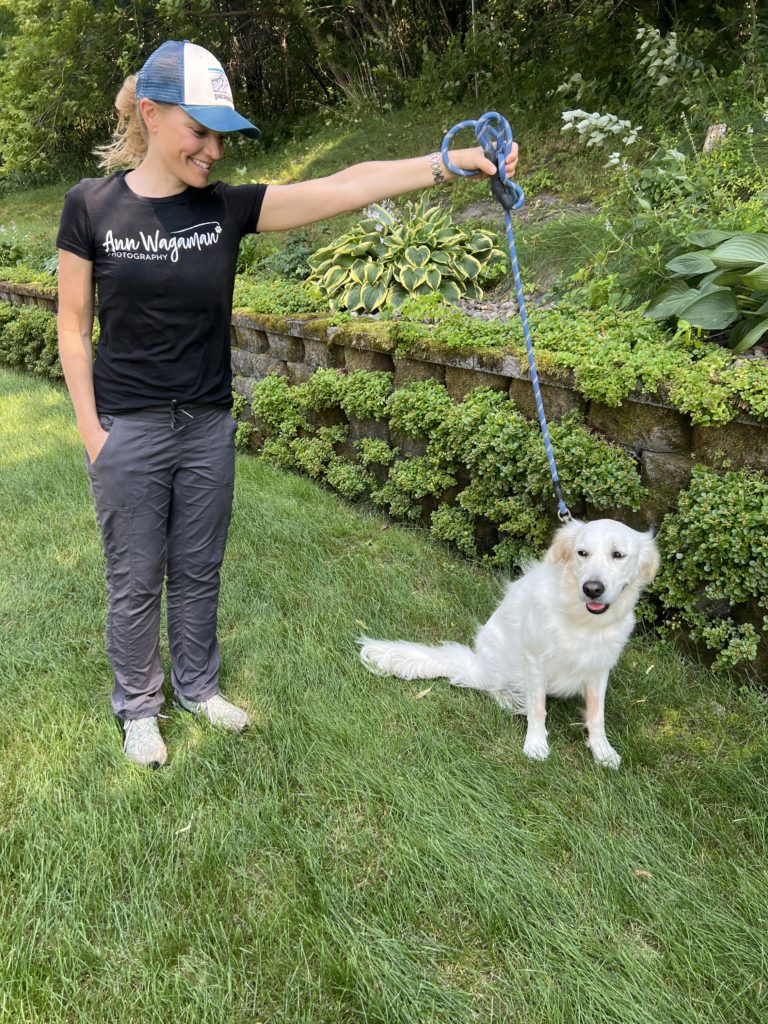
474,159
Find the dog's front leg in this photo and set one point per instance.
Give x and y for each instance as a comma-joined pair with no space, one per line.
597,741
536,745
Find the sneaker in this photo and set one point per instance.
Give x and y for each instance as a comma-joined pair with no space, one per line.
218,712
143,742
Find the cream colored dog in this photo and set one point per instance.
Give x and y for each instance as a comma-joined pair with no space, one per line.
558,631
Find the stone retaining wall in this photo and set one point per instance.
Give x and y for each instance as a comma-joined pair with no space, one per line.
664,441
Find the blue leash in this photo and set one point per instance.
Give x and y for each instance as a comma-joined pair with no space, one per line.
497,142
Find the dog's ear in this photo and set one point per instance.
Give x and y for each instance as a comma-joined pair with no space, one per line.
561,548
650,560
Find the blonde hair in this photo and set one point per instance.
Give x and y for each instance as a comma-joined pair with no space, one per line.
129,139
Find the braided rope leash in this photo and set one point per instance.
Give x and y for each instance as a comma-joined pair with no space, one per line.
495,136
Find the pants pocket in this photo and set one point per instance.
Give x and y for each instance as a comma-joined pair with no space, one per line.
118,474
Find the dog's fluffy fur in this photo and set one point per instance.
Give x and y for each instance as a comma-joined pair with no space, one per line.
558,631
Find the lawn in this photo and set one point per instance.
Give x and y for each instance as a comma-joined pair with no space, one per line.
371,850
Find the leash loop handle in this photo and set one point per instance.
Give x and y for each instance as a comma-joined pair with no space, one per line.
494,134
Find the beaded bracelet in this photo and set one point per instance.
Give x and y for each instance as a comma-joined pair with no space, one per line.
436,163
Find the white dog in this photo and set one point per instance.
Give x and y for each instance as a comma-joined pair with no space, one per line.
559,630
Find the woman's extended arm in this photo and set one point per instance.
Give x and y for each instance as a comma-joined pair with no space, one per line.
292,206
75,323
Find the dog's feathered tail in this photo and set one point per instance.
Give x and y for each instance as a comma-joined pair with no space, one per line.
459,664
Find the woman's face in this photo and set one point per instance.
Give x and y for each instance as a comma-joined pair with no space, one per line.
186,148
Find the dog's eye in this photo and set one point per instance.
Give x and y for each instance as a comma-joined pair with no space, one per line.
619,554
582,553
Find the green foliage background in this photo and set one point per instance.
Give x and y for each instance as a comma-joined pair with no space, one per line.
289,59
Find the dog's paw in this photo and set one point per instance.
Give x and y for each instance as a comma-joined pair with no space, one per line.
538,749
604,754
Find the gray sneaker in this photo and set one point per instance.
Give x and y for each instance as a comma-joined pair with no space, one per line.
218,711
143,742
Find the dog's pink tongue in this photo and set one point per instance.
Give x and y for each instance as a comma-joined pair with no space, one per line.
595,606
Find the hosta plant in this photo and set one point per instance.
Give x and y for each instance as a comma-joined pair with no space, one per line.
721,285
392,255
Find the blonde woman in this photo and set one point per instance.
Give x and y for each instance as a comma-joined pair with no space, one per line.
158,241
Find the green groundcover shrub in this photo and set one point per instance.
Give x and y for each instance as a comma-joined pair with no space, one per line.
481,482
483,475
610,353
28,339
714,576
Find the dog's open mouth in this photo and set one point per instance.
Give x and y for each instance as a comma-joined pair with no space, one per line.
596,608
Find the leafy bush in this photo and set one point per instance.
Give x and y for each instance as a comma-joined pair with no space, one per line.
365,394
482,442
28,339
390,255
714,576
418,408
721,286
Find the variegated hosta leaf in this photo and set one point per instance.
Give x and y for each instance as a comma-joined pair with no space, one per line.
480,243
357,271
450,290
384,216
412,277
352,298
371,296
334,279
434,277
448,236
372,272
397,295
438,256
469,266
417,255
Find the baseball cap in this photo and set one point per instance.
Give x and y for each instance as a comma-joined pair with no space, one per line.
189,76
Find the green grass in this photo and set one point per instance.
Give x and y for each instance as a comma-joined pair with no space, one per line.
367,852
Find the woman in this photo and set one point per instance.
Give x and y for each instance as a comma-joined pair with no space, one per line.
160,245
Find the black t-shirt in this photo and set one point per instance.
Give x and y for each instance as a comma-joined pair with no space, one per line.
164,272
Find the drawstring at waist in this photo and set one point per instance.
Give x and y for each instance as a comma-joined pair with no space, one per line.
178,411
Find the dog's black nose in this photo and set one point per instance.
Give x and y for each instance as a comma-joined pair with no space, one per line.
593,588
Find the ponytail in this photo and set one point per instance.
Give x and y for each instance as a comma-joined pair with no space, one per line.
129,139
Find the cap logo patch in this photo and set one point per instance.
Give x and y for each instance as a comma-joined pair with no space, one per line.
221,90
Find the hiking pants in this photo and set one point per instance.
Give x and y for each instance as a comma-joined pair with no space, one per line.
162,485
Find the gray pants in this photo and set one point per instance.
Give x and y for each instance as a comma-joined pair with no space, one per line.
163,485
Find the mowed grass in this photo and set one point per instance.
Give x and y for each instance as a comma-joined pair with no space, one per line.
368,851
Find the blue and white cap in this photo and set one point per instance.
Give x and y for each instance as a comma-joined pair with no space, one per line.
192,78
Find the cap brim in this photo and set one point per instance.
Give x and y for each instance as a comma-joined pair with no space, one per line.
221,119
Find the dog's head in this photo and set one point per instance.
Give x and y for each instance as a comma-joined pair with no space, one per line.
604,560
